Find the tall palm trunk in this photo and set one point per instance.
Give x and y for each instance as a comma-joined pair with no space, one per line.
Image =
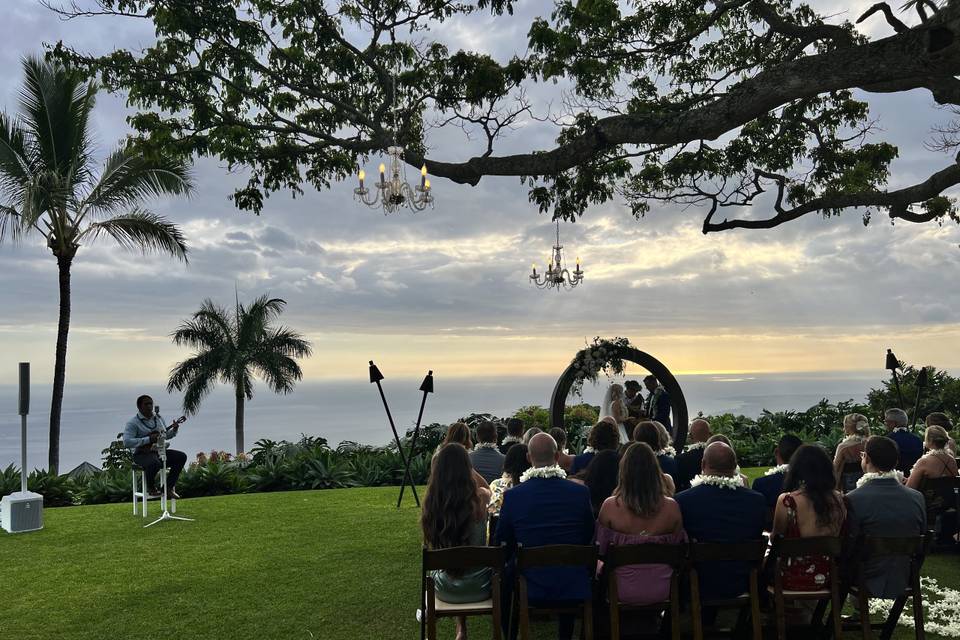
60,365
239,396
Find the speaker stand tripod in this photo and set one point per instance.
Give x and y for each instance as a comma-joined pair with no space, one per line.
166,515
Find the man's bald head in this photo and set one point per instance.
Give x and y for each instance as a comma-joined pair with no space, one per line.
699,430
542,450
719,460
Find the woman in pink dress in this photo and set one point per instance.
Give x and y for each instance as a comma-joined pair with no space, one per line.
638,512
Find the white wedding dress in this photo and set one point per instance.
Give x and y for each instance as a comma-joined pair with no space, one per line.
614,407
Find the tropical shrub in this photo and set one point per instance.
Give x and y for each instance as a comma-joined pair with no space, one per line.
57,490
112,485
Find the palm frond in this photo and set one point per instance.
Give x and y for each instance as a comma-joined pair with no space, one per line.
279,372
10,222
216,315
130,177
286,342
254,320
198,389
56,105
200,334
15,171
143,231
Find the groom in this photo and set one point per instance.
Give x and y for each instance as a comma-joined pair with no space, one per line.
658,402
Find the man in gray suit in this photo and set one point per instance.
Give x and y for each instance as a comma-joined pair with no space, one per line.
486,459
881,506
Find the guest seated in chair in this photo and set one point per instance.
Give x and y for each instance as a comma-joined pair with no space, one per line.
719,437
547,509
141,434
810,506
600,477
638,512
514,434
909,444
938,419
455,515
514,465
647,433
856,430
937,462
882,506
688,462
560,437
485,457
771,483
604,435
718,508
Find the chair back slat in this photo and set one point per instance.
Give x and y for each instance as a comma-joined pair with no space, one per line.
751,551
813,546
621,555
463,558
557,555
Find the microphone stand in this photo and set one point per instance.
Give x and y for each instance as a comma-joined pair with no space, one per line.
162,452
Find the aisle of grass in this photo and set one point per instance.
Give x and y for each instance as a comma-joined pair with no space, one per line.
339,564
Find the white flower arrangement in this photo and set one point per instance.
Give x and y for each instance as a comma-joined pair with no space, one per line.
942,604
510,439
484,445
880,475
666,451
553,471
693,446
724,482
780,468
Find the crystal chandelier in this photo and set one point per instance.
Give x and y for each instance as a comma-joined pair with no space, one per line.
557,276
393,193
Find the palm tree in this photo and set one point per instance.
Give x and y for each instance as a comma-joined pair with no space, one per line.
48,186
231,348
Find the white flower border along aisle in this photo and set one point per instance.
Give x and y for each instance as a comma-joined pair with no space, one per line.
601,355
941,609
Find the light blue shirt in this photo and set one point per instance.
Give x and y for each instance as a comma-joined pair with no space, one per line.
137,431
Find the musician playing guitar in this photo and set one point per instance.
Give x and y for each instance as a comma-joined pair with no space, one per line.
141,434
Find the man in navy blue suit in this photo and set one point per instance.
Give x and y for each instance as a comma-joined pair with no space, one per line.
771,485
658,402
910,444
717,508
546,509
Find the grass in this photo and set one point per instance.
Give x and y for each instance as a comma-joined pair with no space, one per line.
313,564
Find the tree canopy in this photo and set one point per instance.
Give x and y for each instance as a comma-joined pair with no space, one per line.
700,102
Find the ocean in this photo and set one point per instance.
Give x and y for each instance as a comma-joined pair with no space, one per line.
93,415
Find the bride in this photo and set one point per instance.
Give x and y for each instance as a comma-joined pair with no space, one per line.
614,406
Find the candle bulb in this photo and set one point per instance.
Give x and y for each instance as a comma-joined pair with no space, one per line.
534,265
426,185
578,263
382,170
423,176
363,174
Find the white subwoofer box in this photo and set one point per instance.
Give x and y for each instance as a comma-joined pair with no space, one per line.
21,511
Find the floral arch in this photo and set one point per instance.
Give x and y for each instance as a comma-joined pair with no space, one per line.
609,356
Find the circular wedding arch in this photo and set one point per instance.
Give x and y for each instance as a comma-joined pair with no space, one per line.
678,403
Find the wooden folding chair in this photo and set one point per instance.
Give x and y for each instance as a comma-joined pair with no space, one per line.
452,559
784,549
556,555
749,553
674,555
869,547
942,497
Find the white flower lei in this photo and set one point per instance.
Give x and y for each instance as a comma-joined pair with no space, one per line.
553,471
589,450
724,482
902,429
693,446
934,452
510,439
666,451
780,468
485,445
856,437
881,475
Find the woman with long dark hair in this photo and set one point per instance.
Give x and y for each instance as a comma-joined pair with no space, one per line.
638,512
810,506
455,515
600,477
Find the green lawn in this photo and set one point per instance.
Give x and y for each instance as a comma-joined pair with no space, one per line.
313,564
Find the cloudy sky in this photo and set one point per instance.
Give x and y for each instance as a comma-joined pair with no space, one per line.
447,288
